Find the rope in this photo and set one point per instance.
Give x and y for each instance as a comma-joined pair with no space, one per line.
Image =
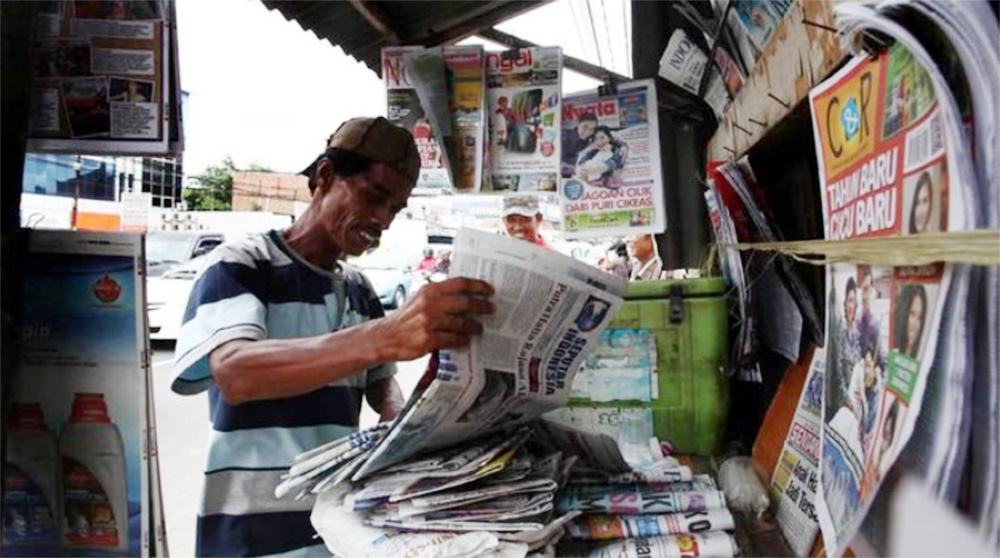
977,247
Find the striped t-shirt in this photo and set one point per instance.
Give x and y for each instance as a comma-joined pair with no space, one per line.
259,288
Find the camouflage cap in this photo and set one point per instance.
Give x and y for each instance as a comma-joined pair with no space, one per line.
524,205
378,140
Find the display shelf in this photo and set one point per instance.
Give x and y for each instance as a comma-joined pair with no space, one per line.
804,49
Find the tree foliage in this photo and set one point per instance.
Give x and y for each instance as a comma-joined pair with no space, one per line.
215,188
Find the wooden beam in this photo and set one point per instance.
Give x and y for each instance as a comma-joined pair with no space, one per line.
575,64
378,19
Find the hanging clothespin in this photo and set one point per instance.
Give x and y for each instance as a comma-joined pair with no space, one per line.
873,42
609,88
510,54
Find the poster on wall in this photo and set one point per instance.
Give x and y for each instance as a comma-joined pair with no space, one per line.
524,90
76,469
612,182
886,169
101,77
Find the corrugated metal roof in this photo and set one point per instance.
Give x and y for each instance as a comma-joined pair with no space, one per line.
413,22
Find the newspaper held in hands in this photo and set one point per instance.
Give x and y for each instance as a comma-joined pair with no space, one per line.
550,312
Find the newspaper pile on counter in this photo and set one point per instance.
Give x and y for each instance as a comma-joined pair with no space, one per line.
633,515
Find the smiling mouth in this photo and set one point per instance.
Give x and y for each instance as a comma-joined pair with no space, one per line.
370,236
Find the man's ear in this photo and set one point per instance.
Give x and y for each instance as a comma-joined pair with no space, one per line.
324,175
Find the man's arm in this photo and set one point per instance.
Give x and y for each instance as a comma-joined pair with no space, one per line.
441,315
385,397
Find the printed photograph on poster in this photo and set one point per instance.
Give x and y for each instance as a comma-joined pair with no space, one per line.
123,61
132,90
911,310
909,93
60,58
524,112
44,115
117,10
87,107
611,178
923,193
859,318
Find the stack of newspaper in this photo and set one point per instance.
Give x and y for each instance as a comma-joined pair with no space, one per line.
646,513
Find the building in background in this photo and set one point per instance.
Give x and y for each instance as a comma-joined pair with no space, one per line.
278,193
83,191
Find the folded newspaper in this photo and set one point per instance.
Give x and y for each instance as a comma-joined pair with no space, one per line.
550,312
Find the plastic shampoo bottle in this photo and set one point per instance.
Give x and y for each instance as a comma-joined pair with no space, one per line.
93,477
31,508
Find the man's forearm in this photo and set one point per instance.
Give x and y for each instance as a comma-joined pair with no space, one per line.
385,397
274,368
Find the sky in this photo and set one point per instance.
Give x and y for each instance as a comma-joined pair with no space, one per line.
264,91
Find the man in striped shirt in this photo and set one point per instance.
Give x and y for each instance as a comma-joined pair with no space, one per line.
287,339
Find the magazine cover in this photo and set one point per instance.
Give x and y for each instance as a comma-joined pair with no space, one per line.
524,88
612,182
885,162
404,110
465,74
76,471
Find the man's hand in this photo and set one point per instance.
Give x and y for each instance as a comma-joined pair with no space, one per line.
440,316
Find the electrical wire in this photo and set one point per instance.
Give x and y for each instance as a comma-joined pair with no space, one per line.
579,32
593,29
607,36
628,37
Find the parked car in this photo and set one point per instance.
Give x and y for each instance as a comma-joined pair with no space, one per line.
391,275
167,298
165,250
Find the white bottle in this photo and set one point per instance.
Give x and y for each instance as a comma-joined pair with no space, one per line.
32,510
93,477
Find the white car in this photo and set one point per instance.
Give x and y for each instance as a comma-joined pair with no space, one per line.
167,298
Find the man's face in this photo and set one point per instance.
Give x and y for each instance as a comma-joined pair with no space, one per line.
586,128
525,228
355,210
640,246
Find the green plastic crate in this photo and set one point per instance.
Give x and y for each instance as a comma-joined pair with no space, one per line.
688,320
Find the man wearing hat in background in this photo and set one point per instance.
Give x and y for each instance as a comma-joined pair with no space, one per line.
287,338
522,217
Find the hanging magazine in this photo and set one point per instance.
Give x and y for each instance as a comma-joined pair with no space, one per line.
524,103
612,181
404,109
886,153
464,67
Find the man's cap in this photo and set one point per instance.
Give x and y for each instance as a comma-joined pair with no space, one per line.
526,206
378,140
